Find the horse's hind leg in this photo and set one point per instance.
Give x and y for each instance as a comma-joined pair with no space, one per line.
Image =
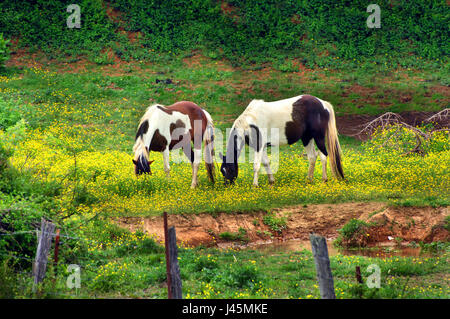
209,160
323,160
312,156
320,142
195,165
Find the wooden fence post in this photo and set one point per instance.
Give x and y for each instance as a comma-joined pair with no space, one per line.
166,244
322,261
43,248
358,275
55,257
176,286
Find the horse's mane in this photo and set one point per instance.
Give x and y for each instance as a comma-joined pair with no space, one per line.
139,144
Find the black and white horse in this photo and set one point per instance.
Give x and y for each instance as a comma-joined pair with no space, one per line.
166,128
305,117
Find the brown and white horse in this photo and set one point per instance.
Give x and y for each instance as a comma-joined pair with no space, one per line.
166,128
303,117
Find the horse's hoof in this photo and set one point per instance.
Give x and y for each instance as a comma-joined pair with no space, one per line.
325,180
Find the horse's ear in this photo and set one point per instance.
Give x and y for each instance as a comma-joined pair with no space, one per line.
134,162
150,162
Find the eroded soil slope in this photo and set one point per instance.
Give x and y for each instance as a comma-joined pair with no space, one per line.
408,223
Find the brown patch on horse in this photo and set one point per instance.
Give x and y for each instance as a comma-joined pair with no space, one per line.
294,129
164,109
158,143
309,120
175,139
192,110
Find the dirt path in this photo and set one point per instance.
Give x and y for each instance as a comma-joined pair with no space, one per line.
409,223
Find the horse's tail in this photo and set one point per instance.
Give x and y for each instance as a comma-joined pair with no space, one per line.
208,139
333,146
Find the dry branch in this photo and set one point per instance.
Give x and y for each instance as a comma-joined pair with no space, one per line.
442,117
390,119
383,121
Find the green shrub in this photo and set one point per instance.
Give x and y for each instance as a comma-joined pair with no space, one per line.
10,113
353,234
4,51
241,276
13,135
241,235
8,279
20,216
320,32
276,224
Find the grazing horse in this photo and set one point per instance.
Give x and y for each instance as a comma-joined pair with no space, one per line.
166,128
305,117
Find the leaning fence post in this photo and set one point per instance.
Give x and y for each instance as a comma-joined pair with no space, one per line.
174,268
43,248
322,261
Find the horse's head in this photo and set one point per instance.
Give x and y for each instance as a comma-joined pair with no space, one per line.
229,169
142,165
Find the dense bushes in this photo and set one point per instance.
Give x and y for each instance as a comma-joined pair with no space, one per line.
315,31
23,199
42,24
4,50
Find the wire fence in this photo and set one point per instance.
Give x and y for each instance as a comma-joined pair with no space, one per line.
67,241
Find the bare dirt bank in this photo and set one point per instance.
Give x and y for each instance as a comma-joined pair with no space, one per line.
417,224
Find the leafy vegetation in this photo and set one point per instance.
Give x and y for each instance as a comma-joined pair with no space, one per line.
4,50
353,234
277,224
250,31
226,273
240,235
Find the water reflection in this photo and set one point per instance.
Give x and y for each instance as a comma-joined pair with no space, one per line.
381,250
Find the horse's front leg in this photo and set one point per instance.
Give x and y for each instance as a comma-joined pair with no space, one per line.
265,161
194,156
166,162
256,166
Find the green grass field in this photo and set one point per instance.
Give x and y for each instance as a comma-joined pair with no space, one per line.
75,156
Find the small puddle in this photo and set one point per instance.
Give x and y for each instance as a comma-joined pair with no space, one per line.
381,250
